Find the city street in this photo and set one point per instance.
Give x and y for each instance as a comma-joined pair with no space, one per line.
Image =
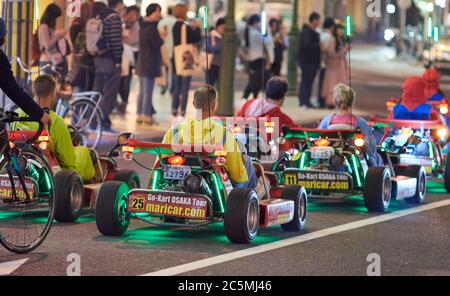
340,236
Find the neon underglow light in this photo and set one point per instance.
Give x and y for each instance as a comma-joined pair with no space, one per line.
302,161
155,179
355,165
219,192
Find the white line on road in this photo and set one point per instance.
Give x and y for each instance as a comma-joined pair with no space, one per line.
7,268
294,240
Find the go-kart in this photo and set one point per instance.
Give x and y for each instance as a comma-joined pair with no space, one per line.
415,142
72,193
189,187
440,105
334,163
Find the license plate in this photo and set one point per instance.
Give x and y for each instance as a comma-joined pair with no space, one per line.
168,204
176,172
6,190
315,180
322,152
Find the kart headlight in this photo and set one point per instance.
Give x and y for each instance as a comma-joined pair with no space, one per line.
270,127
177,160
43,145
127,152
322,143
443,109
359,140
442,133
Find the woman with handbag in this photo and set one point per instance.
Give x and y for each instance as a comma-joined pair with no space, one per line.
52,44
185,57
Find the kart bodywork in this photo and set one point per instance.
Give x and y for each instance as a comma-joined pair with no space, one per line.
333,163
190,187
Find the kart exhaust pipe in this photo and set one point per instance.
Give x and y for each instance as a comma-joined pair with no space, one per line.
196,184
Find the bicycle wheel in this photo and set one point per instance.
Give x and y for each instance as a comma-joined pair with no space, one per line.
87,118
24,225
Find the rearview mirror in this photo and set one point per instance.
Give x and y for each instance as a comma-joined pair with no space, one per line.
124,137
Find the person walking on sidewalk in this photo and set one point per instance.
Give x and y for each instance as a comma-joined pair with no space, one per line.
326,37
182,84
149,63
309,58
214,47
279,46
165,27
337,71
108,64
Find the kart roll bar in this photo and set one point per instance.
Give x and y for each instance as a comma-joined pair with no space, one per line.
413,124
168,149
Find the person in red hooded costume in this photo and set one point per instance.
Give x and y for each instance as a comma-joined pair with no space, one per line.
414,103
276,90
432,78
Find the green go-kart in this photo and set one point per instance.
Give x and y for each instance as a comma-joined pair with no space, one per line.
334,164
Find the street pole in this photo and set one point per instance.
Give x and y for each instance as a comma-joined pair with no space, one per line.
227,64
293,43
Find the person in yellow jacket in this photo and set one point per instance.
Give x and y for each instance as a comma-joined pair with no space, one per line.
69,157
204,130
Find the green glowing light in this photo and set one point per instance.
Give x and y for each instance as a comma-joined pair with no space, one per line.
436,34
348,26
205,17
302,161
430,27
155,179
219,189
355,165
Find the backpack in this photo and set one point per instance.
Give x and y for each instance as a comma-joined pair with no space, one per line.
35,48
94,35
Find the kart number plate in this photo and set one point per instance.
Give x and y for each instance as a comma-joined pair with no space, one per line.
176,172
6,190
322,152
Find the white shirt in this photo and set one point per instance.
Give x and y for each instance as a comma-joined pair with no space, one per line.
167,23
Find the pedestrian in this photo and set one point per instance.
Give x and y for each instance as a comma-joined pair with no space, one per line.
309,58
259,56
182,84
149,63
326,35
13,91
165,26
337,71
131,47
52,44
215,47
108,62
81,74
279,46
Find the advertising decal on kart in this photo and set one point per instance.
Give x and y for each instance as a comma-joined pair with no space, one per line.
279,212
316,180
6,190
168,204
407,159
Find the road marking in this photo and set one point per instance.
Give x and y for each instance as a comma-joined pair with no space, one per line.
7,268
294,240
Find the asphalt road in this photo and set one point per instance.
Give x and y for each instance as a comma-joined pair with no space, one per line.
339,237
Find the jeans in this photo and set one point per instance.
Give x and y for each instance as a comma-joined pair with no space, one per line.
320,90
107,82
252,179
180,90
255,78
125,86
309,72
214,73
144,104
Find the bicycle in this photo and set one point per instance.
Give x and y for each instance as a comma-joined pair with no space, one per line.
27,194
81,110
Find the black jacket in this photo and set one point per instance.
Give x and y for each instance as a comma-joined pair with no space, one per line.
309,47
149,59
13,91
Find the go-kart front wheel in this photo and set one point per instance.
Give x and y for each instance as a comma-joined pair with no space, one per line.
447,174
242,216
378,189
69,189
418,172
300,198
111,213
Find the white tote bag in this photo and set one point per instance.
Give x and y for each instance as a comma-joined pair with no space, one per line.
186,56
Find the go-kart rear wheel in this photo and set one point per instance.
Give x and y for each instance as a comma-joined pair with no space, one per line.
111,213
130,177
418,172
378,189
242,216
300,198
69,190
447,174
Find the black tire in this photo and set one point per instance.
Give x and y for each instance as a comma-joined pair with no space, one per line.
111,209
69,189
418,172
300,198
378,189
241,219
447,174
130,177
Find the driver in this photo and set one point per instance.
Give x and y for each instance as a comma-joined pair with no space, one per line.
414,103
198,131
343,118
432,78
69,157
